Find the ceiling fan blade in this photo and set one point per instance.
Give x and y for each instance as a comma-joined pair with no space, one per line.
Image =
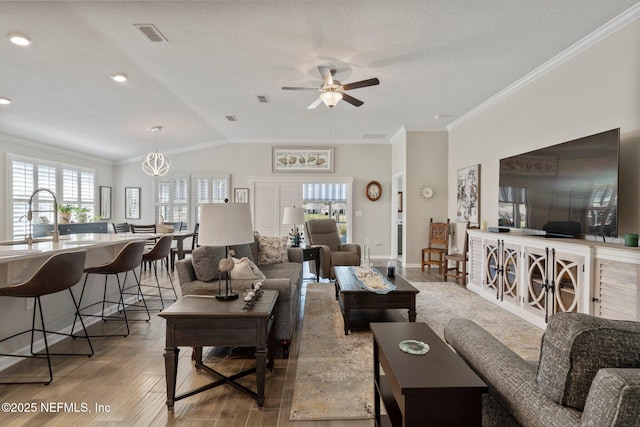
351,100
314,104
325,72
298,88
362,83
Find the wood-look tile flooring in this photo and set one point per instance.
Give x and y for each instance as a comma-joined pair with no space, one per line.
127,374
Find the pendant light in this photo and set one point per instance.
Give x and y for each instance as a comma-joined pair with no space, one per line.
156,164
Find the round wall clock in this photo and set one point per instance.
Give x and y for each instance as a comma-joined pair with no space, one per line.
427,192
374,190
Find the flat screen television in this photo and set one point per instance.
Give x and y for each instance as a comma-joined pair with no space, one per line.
565,190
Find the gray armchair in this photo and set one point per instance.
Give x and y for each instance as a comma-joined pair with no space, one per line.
324,233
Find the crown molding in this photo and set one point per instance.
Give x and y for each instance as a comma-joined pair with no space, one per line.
52,149
601,33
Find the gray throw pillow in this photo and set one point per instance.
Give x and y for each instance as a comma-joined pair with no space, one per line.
205,261
575,346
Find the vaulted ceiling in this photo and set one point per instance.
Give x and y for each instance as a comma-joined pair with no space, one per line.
433,58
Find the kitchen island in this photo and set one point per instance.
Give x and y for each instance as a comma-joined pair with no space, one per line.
18,262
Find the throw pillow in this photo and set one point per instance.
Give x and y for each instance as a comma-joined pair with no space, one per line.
272,250
205,261
245,269
575,347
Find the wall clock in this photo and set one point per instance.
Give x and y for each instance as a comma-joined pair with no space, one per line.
374,190
427,192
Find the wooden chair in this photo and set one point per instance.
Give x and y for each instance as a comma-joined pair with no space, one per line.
194,244
121,227
438,244
460,259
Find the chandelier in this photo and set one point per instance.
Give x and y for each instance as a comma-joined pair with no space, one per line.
156,164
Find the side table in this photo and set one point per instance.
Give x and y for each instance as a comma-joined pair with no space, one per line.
202,320
312,253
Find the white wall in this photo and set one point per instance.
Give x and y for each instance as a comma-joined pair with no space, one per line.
363,162
426,164
596,90
12,145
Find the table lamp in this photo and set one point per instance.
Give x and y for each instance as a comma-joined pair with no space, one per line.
294,216
225,224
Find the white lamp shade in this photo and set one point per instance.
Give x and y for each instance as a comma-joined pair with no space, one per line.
293,216
225,224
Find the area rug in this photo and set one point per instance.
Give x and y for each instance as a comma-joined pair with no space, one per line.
334,373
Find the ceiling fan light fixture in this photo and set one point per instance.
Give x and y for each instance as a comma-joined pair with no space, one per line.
330,98
156,164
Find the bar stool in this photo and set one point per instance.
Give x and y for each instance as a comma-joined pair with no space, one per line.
160,252
128,259
59,272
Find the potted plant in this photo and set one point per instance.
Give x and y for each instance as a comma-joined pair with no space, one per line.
82,214
65,211
342,231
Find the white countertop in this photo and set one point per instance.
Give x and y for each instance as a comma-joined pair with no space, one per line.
14,250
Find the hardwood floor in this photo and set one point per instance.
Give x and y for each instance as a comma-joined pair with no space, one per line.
123,384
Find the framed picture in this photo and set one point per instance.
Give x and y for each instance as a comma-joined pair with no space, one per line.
399,201
241,195
105,202
302,159
468,204
132,202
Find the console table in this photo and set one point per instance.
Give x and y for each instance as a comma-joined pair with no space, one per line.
202,320
437,388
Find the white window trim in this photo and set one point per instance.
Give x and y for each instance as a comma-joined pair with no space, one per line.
10,158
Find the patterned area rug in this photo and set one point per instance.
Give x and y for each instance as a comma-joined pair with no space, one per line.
334,373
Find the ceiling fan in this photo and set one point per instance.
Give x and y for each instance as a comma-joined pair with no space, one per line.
332,91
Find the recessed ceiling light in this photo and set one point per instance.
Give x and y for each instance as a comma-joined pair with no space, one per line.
19,39
5,101
119,77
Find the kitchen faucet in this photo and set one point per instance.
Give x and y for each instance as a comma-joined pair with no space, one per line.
56,233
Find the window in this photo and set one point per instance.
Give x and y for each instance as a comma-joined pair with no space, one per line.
72,185
179,196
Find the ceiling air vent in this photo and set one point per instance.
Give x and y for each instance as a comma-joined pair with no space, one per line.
151,32
232,118
373,136
263,99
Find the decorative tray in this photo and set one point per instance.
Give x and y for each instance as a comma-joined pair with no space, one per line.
414,347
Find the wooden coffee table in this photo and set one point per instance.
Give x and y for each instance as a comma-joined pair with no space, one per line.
202,320
437,388
352,296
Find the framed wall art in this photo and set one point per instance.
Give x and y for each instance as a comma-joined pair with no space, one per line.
132,202
105,202
241,195
302,159
468,203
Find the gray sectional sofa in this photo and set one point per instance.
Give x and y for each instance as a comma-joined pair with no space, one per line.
286,277
588,373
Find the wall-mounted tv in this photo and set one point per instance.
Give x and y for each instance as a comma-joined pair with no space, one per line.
568,189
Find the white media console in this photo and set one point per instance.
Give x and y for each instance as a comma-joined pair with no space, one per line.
534,277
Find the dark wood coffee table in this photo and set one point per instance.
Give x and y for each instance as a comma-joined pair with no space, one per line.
352,296
202,320
437,388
